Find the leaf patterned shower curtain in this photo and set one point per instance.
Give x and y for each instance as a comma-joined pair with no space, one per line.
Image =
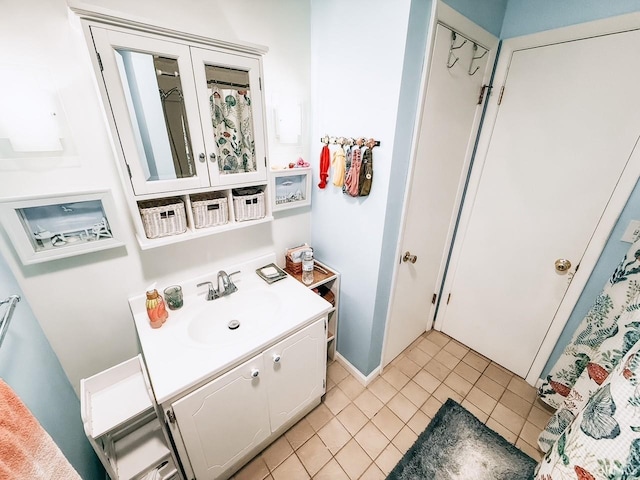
233,129
605,335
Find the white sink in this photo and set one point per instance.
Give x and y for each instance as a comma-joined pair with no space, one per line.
196,342
234,318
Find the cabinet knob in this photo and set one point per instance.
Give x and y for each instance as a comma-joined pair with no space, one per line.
255,372
212,157
276,358
202,157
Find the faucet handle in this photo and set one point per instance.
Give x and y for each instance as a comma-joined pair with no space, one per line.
232,286
211,294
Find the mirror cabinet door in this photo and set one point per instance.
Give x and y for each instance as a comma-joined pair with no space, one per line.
231,112
150,87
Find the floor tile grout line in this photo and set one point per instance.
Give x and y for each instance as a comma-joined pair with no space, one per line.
410,372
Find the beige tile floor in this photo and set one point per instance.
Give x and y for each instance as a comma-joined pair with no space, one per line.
361,433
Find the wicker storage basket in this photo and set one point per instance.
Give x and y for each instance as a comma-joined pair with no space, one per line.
163,217
209,211
248,206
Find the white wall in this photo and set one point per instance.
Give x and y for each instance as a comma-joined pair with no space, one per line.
81,302
358,53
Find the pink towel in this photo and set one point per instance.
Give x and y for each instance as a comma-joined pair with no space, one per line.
26,450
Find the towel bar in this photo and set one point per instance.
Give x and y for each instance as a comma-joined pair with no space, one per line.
6,319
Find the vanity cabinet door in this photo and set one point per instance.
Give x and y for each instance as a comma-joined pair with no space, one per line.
231,113
223,420
295,370
150,88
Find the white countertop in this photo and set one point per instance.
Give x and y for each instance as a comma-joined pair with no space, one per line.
176,362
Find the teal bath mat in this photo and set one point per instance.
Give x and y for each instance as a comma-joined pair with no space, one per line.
457,446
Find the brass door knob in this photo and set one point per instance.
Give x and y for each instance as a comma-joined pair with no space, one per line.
409,258
562,265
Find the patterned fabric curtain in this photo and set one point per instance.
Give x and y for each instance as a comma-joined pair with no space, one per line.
233,129
603,442
605,335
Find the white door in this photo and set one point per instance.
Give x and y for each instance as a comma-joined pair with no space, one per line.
565,129
224,420
295,373
449,121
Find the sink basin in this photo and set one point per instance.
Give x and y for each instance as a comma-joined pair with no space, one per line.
234,318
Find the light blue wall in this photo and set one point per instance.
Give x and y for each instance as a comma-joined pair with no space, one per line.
489,14
29,366
356,89
417,31
529,16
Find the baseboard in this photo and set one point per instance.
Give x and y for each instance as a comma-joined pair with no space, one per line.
364,380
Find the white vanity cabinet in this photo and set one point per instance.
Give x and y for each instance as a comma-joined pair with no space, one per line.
221,425
295,373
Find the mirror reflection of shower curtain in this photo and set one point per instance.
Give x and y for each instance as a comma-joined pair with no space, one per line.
175,120
233,129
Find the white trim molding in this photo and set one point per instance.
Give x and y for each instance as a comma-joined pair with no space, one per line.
364,380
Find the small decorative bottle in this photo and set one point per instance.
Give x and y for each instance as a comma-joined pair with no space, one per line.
156,309
307,267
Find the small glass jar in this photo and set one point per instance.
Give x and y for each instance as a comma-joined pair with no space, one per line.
156,309
173,297
307,267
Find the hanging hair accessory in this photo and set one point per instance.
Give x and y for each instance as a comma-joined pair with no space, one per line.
339,164
366,173
324,166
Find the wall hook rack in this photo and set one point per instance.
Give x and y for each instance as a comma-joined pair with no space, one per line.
350,141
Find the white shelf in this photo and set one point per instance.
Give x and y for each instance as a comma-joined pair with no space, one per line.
137,451
147,243
330,279
114,396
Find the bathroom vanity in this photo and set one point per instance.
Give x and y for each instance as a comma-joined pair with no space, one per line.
224,391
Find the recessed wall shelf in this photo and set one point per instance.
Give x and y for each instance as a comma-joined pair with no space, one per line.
47,228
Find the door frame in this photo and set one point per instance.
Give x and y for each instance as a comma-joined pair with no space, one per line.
614,207
443,14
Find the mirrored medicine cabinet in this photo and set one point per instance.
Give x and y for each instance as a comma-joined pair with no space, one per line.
187,115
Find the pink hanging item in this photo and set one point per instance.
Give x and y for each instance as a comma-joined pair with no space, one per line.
353,176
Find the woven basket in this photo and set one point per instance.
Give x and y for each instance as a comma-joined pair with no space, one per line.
248,207
163,217
209,211
292,266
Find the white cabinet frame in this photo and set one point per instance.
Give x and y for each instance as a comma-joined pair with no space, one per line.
51,238
290,188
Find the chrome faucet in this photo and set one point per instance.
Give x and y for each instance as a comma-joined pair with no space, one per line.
227,287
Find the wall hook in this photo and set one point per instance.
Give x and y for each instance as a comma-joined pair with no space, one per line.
453,47
474,58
